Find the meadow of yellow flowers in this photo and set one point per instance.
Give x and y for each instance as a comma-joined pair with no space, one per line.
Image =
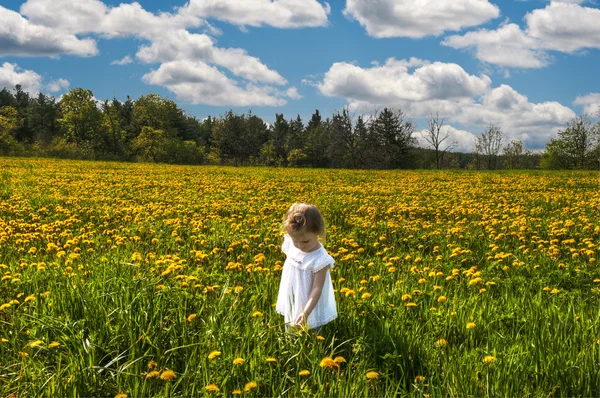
156,280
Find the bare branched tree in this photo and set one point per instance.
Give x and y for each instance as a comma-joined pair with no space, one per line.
435,138
489,144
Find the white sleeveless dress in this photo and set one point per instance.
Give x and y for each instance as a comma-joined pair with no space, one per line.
296,283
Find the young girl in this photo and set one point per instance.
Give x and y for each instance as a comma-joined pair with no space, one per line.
305,291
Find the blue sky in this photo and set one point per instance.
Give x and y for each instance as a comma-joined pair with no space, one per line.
526,66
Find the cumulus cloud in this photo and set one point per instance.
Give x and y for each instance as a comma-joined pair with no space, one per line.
532,123
590,103
562,26
507,46
292,93
20,37
401,80
183,45
126,60
410,18
277,13
58,85
200,83
93,16
565,27
171,45
11,75
421,88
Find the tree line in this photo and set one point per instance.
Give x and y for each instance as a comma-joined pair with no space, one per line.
154,129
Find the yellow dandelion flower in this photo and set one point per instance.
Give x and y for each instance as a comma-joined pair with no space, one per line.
554,291
213,354
304,373
441,342
411,304
191,317
372,375
211,388
236,392
238,361
23,354
4,306
168,375
35,343
319,337
596,280
271,360
489,359
339,359
327,362
441,299
250,385
406,297
350,293
257,314
31,297
546,289
121,395
366,296
152,374
53,344
419,379
3,340
471,325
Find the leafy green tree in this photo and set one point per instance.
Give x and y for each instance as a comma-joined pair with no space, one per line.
43,117
159,113
280,134
575,147
9,123
227,137
114,132
318,141
393,134
150,144
81,120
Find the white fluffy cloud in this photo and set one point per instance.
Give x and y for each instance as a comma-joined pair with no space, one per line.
93,16
401,80
506,46
418,18
532,123
561,26
11,75
173,46
58,85
448,90
20,37
126,60
183,45
565,27
277,13
590,103
200,83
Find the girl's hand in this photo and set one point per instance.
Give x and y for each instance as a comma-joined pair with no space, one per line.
300,320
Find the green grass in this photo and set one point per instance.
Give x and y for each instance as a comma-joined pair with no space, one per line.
125,253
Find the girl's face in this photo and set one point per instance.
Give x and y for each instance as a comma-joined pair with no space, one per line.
304,241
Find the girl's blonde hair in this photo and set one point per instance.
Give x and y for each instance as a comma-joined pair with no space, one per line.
305,217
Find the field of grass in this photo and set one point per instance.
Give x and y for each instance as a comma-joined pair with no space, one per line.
156,280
